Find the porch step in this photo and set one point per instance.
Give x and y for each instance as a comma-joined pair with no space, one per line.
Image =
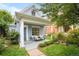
35,52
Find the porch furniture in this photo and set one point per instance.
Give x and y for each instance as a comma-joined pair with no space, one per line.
36,38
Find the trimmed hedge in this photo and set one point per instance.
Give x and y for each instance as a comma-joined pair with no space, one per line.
46,43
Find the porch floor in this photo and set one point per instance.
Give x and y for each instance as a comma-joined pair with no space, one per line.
32,44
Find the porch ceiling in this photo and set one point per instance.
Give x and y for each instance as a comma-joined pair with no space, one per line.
32,19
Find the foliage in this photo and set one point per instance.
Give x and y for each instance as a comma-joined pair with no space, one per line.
14,50
60,50
13,36
7,42
2,44
51,36
48,40
56,37
60,37
61,14
48,37
46,43
42,45
73,36
5,20
5,17
3,30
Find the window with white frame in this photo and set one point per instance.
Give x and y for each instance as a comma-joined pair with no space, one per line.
35,31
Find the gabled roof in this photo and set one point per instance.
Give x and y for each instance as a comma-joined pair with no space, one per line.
29,10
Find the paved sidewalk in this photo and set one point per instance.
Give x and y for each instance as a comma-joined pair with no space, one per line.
35,52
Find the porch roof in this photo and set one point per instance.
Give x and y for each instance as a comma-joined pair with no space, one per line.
32,19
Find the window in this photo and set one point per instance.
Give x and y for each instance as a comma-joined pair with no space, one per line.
35,31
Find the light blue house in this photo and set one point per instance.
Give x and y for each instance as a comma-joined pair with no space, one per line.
28,24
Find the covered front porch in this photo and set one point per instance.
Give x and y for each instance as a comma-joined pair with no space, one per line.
31,31
30,26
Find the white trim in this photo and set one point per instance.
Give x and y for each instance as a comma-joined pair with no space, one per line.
21,33
35,22
27,33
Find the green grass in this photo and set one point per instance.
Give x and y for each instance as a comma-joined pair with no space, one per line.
14,50
60,50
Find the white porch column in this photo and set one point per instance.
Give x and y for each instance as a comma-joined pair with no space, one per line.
21,33
27,35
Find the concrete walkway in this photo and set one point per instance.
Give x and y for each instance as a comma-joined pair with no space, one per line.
32,45
32,50
35,52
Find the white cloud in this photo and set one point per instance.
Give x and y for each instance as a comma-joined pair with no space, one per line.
10,9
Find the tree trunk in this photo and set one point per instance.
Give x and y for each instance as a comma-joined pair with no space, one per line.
66,28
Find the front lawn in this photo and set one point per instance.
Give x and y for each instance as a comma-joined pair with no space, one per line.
14,50
60,50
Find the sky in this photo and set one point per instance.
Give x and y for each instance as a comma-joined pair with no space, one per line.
12,7
17,7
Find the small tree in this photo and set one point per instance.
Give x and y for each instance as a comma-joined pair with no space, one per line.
5,20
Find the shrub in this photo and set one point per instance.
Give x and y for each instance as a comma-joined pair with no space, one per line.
13,36
48,37
46,43
51,36
54,37
7,43
60,37
49,42
48,34
42,45
2,44
73,36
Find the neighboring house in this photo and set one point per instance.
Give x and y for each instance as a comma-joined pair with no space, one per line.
50,29
28,24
